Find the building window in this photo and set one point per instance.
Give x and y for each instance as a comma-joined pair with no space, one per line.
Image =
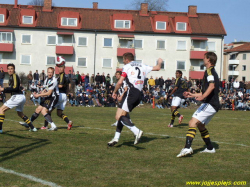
126,43
107,42
1,58
162,65
1,18
181,26
26,39
5,37
161,44
51,40
233,56
82,41
232,67
202,66
25,59
244,67
138,44
161,25
244,57
82,62
181,45
106,63
122,24
51,60
65,39
27,19
69,22
244,79
211,46
181,65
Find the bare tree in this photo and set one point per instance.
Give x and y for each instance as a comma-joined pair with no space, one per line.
153,5
38,3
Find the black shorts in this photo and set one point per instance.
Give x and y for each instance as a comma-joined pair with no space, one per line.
50,102
130,100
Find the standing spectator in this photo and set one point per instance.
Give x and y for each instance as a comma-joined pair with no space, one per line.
223,84
108,80
114,79
36,77
151,82
2,75
161,82
30,78
236,84
145,82
98,79
103,79
220,84
70,76
167,84
42,77
157,81
242,86
87,79
77,78
247,86
189,83
92,79
82,78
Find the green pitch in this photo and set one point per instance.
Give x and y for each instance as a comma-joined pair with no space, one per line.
80,157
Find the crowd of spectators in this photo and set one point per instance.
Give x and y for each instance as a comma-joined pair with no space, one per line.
97,91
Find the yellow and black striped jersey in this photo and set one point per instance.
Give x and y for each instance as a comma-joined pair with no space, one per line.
181,85
14,85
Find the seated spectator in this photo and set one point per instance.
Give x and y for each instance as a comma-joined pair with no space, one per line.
160,103
91,103
72,99
34,100
85,100
33,87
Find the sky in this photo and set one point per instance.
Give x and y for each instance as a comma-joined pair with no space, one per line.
235,14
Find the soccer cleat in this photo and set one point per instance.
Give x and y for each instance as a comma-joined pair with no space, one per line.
24,124
170,125
44,128
138,137
33,130
180,119
1,131
113,142
53,129
208,151
114,124
185,151
70,124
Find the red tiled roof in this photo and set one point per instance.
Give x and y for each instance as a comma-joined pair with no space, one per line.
241,48
100,19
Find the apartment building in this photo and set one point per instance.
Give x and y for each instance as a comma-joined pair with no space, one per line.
93,40
237,61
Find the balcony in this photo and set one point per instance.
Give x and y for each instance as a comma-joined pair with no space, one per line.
233,62
121,51
233,73
64,50
197,55
6,47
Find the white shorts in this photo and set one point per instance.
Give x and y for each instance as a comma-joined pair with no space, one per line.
17,101
177,101
62,101
204,113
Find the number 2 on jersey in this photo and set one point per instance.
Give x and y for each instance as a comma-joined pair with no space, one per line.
139,72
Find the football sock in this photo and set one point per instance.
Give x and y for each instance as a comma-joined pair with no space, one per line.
46,123
206,138
127,122
65,118
26,120
172,119
2,117
176,113
34,116
190,136
49,119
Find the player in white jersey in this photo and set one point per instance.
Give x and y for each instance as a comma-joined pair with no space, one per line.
51,94
121,93
134,74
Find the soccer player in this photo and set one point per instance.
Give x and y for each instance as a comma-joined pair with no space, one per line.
134,73
51,94
179,89
63,83
121,92
17,98
202,116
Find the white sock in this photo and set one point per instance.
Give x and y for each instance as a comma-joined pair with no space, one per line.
117,135
53,125
116,123
135,130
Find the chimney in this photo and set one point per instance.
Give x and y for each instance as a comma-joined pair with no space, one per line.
95,5
47,7
15,6
144,8
192,10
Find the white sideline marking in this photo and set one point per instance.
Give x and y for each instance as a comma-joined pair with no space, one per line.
164,135
29,177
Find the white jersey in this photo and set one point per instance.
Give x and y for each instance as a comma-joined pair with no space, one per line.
51,84
135,73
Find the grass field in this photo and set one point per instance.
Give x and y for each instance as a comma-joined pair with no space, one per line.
80,157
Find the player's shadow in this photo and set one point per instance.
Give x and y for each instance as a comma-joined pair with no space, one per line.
144,139
182,125
16,151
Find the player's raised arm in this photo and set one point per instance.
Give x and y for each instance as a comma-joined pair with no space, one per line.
158,66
